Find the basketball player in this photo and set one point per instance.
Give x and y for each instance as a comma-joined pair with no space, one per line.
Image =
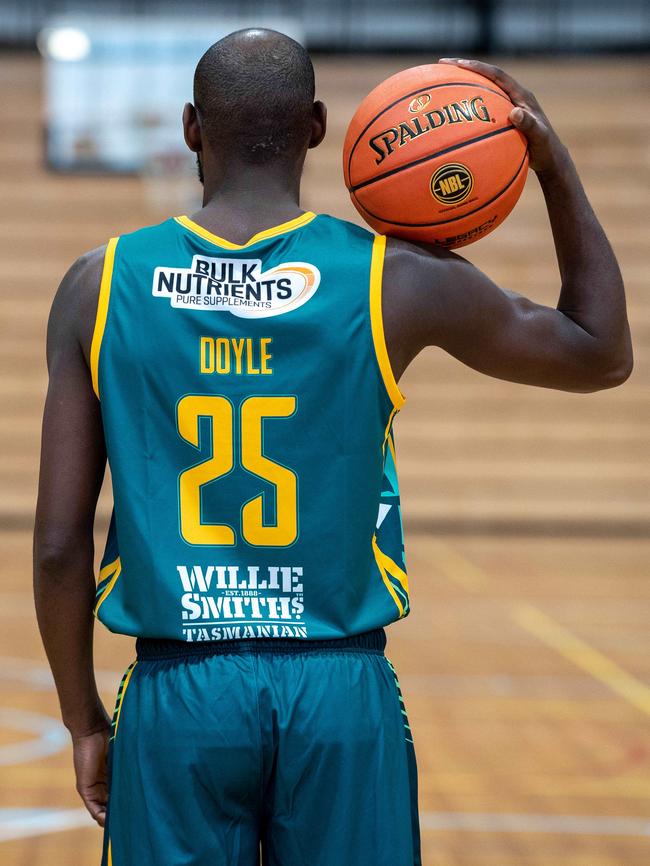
240,369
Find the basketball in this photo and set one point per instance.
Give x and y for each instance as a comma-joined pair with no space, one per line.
431,155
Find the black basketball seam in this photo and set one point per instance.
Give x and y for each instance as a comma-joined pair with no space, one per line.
452,219
414,93
429,156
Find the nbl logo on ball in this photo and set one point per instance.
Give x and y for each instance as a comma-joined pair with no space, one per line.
451,183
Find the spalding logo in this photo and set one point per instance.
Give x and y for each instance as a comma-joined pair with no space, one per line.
238,286
451,183
463,111
419,102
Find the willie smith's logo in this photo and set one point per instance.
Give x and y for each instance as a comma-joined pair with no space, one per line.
451,183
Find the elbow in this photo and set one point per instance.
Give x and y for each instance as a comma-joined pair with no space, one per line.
620,373
621,366
613,372
55,555
50,558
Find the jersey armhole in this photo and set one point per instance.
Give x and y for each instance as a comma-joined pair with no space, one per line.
102,312
377,322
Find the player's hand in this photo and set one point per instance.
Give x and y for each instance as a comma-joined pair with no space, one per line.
546,151
89,754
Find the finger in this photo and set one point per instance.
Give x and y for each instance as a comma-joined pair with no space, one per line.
97,810
95,798
506,82
527,123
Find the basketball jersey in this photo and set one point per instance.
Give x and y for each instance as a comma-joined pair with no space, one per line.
247,402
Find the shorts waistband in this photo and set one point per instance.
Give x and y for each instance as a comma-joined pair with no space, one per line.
161,648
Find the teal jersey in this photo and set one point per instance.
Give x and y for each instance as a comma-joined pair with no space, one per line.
247,402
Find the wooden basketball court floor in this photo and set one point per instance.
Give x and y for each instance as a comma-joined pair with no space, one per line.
526,661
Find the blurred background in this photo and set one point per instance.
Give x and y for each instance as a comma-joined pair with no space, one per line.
525,663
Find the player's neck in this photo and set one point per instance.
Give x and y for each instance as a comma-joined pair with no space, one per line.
253,189
241,199
238,205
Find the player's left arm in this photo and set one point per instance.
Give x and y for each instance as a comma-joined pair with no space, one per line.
73,460
433,297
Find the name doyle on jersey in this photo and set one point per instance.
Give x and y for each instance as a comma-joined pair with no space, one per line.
256,598
239,286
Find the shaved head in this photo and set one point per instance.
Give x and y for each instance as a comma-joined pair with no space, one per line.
254,95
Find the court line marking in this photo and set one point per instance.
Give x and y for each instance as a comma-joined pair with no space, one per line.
585,825
462,571
583,655
622,788
457,567
23,823
33,673
52,736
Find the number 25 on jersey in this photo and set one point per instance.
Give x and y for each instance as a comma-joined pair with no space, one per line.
253,411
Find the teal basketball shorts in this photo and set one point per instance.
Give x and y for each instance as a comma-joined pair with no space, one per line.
282,751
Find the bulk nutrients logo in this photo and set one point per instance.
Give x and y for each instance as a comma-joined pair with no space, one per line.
451,183
238,286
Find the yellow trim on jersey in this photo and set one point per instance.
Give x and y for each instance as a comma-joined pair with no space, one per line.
392,568
102,312
377,322
109,586
281,229
110,854
122,696
108,569
387,431
384,576
391,448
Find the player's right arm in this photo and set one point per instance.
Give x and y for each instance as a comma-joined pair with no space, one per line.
432,297
73,460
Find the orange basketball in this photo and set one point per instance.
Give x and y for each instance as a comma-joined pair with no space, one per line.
430,155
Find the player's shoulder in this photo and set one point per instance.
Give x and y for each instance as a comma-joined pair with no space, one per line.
344,229
413,251
75,302
82,278
86,271
78,292
149,234
413,260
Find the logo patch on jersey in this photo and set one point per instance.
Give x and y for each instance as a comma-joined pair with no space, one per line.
238,286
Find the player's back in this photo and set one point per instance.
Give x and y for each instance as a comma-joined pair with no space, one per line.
247,403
